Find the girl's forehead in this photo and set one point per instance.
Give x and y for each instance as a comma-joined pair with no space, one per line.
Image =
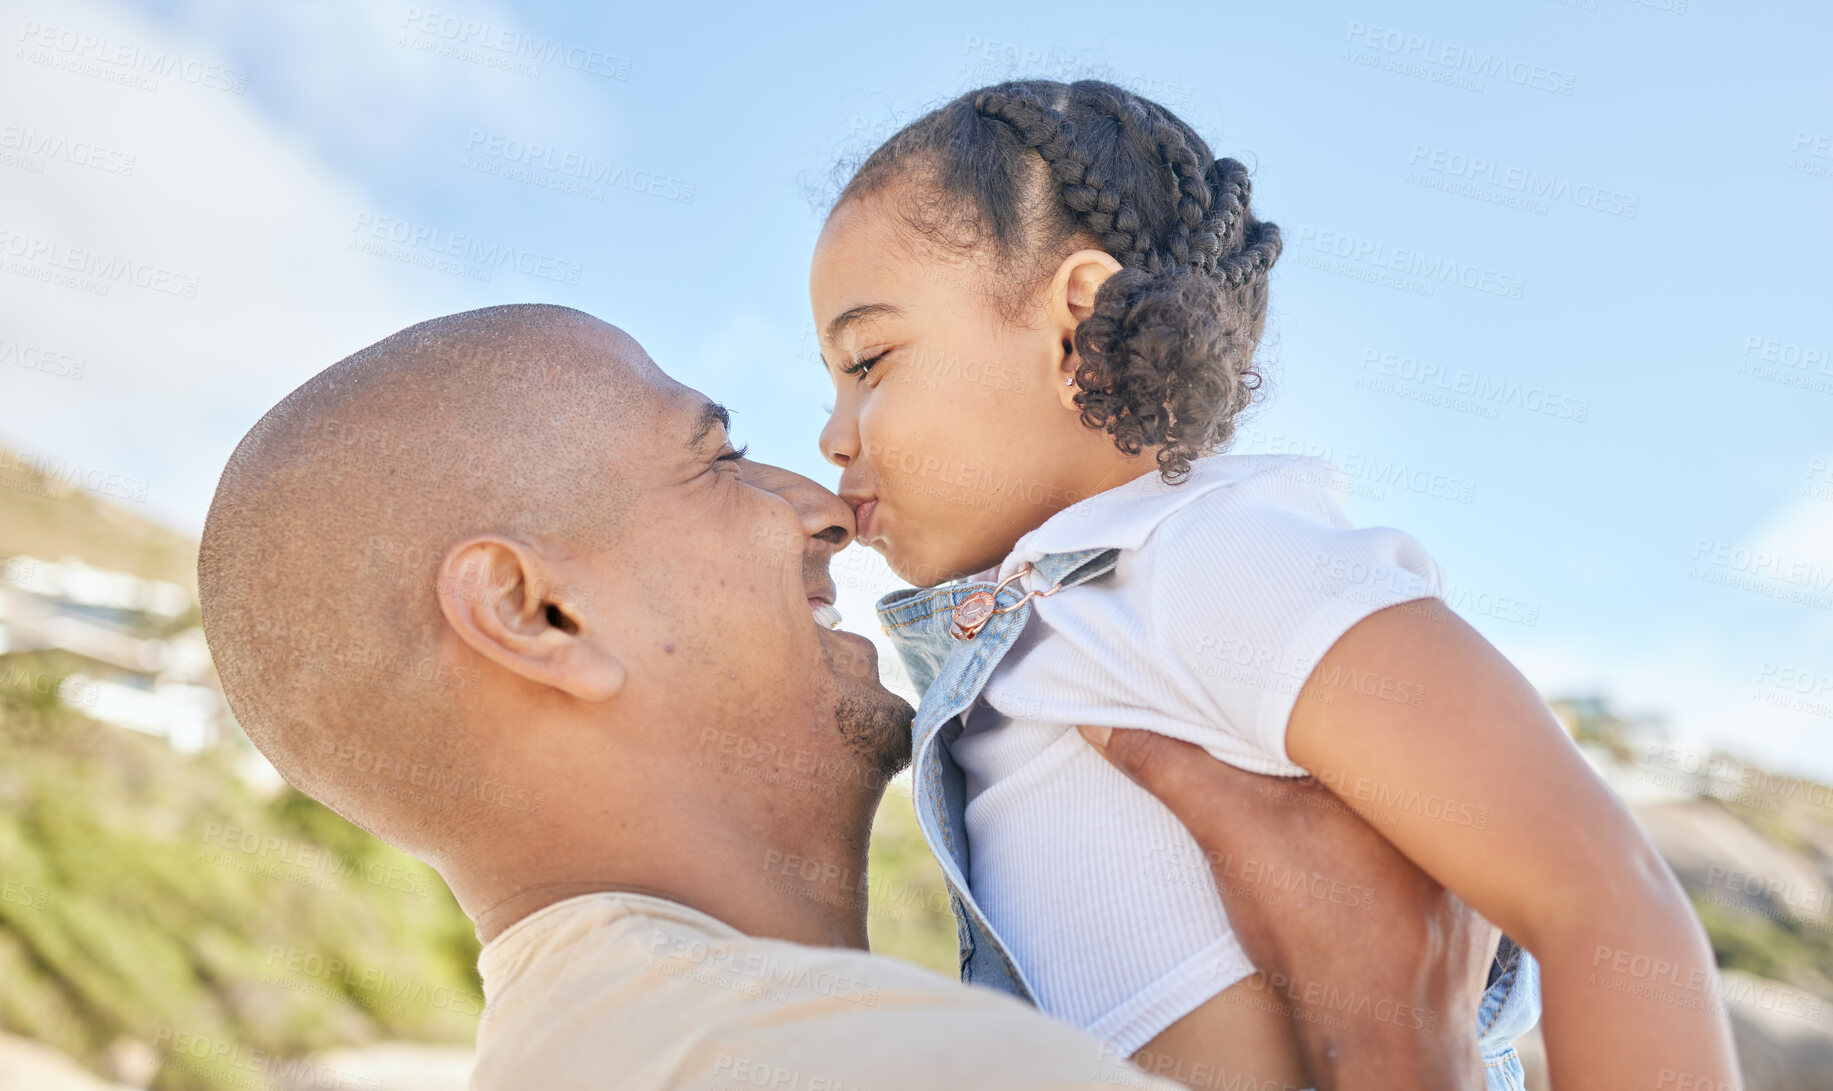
856,226
869,239
861,252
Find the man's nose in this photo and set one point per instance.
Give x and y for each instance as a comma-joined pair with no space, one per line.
825,517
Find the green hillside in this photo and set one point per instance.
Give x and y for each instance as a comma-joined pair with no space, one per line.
907,915
46,517
151,898
153,906
1758,921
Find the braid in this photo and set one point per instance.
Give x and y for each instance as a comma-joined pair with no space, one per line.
1167,351
1255,258
1097,202
1189,244
1037,125
1233,189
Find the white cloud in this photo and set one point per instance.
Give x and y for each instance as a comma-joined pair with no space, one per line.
1802,535
224,197
393,84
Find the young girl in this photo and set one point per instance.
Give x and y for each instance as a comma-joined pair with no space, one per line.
1039,307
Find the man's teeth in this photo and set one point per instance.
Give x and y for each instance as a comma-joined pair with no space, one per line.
825,615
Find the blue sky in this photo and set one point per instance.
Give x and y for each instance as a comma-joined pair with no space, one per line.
1554,293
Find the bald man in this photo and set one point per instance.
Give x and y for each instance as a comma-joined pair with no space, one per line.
500,591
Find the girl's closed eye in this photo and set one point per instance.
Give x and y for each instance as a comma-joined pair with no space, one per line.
863,367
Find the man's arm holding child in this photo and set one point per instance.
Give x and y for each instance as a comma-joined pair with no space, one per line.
1416,948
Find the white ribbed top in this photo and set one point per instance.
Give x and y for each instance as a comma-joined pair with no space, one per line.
1228,590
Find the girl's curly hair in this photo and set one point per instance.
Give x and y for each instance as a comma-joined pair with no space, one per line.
1033,169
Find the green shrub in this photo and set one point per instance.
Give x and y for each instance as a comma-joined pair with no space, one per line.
154,897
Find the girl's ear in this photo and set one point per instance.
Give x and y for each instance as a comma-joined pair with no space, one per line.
1077,280
1072,299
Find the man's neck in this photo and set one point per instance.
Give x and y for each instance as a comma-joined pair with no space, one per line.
769,867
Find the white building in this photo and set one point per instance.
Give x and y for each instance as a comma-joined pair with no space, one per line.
136,672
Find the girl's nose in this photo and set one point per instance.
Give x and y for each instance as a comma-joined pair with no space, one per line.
839,439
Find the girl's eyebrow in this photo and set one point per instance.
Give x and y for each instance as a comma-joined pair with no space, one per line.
848,318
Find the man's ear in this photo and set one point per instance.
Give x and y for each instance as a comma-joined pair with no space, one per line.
1072,299
498,596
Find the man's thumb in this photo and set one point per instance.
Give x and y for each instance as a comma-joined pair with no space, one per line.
1179,774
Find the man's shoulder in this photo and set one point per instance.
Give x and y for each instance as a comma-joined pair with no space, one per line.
670,1002
674,981
611,941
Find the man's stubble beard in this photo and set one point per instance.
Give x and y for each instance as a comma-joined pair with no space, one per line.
876,731
873,722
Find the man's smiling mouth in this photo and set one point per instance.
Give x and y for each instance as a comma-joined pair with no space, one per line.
824,613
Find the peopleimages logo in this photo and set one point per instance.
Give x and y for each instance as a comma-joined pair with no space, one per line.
1410,53
31,147
514,45
568,171
1409,262
1482,391
86,268
1521,180
127,63
421,244
39,358
203,1056
1813,154
1342,471
1796,571
45,476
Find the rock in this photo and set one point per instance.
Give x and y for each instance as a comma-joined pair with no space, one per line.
396,1066
1781,1047
1713,852
26,1065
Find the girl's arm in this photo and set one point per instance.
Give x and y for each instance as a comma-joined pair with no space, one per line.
1416,722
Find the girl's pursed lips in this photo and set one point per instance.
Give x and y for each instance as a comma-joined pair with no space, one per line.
863,509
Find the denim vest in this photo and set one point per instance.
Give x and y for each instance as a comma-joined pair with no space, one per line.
951,673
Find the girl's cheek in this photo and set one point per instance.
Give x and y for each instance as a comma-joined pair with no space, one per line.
888,426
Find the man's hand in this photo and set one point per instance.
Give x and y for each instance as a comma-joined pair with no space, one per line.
1383,965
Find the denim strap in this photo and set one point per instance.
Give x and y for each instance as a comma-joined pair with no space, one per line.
915,620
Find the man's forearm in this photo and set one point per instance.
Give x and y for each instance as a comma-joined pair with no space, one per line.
1379,1066
1358,1036
1384,993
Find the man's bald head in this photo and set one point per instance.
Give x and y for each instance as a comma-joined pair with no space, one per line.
324,541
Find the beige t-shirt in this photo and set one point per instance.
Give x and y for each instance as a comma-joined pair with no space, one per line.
643,994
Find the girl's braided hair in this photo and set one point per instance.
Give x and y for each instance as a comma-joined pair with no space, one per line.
1168,352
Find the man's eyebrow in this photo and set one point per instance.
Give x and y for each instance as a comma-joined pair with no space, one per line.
860,314
710,414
